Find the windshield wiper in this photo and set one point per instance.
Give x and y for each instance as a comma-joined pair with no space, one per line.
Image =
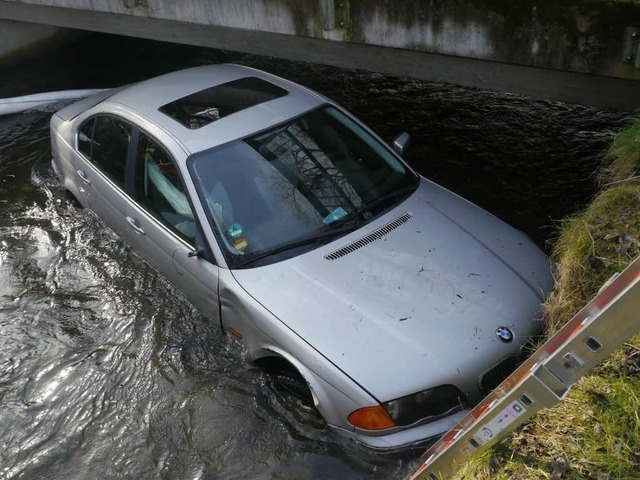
307,240
371,206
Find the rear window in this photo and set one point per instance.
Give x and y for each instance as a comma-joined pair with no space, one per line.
207,106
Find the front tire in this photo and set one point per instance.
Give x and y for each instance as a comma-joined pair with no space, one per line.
285,378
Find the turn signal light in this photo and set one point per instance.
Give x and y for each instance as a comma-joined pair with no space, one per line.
371,418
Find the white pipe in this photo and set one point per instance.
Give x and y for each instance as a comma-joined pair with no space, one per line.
27,102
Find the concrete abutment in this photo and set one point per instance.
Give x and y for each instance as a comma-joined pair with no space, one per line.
582,51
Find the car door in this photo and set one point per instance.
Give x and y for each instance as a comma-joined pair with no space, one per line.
168,233
110,160
104,145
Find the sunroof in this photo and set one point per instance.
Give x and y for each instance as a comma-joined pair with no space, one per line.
207,106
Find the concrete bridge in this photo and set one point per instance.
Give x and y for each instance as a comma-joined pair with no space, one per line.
577,51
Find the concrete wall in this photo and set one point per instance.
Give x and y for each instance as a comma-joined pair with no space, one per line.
485,43
578,35
575,35
18,39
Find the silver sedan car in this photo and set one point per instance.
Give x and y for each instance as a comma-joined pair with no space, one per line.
389,303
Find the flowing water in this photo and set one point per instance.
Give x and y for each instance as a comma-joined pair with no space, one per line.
107,372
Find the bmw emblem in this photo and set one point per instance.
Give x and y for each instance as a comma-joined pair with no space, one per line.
505,334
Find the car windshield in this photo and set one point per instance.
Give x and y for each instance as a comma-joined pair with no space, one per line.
294,187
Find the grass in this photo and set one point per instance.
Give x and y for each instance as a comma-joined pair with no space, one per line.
591,247
595,432
624,157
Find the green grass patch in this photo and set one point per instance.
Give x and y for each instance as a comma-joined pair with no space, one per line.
591,247
593,433
624,157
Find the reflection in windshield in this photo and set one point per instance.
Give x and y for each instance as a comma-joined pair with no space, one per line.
292,183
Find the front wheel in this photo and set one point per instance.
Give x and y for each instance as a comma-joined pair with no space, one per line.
285,378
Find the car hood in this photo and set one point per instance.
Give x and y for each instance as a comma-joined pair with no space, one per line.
420,304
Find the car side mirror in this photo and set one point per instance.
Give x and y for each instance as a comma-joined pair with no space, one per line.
401,143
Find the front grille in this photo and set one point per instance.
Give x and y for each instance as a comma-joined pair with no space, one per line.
493,377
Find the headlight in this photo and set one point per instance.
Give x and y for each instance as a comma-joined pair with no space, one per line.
424,407
427,405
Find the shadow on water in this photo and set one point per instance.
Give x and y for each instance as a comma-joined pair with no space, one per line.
108,372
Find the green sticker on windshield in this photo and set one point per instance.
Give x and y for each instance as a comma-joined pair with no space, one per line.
235,230
337,214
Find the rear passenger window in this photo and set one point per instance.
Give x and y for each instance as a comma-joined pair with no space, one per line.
159,189
105,141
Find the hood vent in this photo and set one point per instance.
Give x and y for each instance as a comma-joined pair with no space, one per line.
373,236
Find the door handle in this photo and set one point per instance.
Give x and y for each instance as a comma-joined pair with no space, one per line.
135,224
83,176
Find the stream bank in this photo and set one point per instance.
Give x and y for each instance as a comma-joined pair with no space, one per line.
595,432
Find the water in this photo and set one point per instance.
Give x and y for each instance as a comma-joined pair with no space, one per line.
106,371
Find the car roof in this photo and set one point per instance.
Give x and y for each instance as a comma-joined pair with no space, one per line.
148,96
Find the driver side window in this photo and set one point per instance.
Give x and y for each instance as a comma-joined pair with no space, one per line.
159,189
